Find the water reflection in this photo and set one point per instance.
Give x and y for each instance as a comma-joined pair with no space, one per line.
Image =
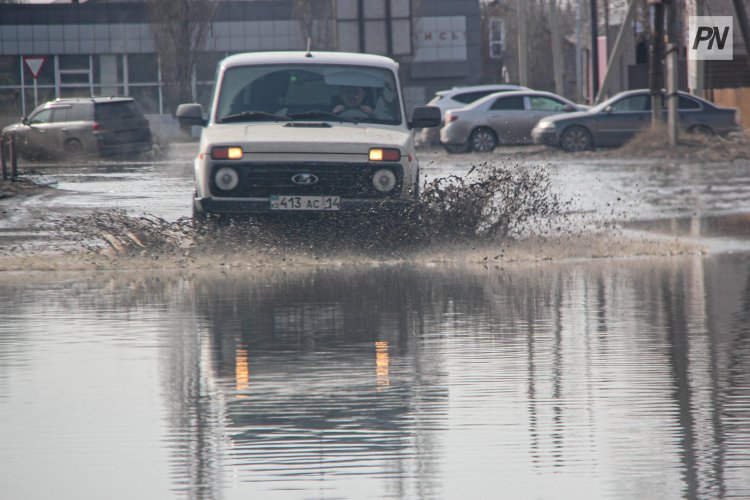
616,379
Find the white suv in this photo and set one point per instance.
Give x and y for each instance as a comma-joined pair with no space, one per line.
458,97
296,131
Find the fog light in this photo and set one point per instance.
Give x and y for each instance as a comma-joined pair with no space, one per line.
384,180
226,178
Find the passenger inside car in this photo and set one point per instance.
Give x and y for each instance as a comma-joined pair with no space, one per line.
353,99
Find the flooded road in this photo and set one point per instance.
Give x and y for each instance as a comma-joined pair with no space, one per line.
513,370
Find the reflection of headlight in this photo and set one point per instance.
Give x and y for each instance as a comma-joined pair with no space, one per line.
226,178
546,125
384,180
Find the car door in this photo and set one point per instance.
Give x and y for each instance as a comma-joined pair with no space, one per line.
689,112
56,131
621,120
507,116
540,106
38,133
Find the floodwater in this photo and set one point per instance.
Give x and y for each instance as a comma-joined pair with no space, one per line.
436,374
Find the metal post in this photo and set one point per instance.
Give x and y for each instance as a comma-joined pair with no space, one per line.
557,54
739,9
3,166
617,50
523,69
13,158
672,84
594,51
579,53
656,68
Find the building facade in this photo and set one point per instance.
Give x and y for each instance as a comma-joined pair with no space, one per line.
102,48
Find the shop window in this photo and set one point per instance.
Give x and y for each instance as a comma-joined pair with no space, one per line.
206,65
143,68
74,62
497,34
147,98
9,70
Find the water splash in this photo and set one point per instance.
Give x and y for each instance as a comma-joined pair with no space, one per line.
489,203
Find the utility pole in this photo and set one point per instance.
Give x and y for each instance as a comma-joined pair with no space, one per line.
557,53
625,27
739,8
594,51
523,69
695,67
656,68
672,84
579,53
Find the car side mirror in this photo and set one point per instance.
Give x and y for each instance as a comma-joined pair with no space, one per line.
425,117
190,114
608,109
24,120
568,108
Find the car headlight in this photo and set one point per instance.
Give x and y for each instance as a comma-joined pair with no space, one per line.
546,125
226,178
384,180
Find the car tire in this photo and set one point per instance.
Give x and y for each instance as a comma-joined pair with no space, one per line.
456,148
703,130
73,148
576,139
483,140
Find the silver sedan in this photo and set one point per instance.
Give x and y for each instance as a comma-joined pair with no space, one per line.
500,118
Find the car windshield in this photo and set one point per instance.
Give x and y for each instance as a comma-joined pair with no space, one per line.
308,92
116,110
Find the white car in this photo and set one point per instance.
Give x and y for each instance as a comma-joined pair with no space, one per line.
306,131
458,97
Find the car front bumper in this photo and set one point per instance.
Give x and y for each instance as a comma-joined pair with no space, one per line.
547,136
263,205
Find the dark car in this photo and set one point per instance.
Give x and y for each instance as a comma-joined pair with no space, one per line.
616,120
83,126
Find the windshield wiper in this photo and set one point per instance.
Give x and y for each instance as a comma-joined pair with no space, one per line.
319,114
249,116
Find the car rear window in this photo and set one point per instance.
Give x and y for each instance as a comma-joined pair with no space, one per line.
121,110
468,97
687,103
509,103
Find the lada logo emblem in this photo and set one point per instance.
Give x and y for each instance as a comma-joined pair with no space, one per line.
305,179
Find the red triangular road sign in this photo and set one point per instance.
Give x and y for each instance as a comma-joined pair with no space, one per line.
34,64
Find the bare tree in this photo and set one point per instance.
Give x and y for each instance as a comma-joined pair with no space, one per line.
180,28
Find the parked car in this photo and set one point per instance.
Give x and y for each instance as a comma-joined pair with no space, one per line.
500,118
616,120
458,97
307,131
83,126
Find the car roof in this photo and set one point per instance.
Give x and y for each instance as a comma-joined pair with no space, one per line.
479,88
627,93
313,57
95,100
524,93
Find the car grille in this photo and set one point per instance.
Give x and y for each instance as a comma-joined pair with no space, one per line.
350,180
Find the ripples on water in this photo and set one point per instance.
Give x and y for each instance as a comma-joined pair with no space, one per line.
403,381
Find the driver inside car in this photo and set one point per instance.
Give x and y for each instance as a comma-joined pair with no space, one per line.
353,98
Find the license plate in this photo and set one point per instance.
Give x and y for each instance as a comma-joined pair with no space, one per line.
279,202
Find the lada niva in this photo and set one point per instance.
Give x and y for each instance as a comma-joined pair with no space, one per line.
306,131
